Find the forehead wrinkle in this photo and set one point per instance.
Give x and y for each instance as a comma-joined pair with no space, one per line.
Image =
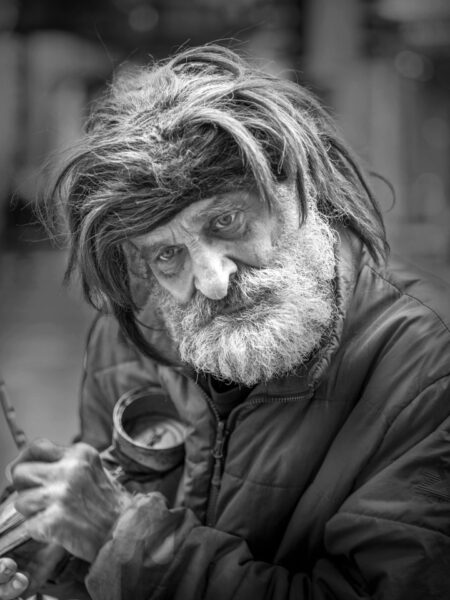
218,204
147,246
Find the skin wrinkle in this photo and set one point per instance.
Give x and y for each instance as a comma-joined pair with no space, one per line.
212,258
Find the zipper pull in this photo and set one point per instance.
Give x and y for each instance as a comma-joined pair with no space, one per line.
220,440
218,454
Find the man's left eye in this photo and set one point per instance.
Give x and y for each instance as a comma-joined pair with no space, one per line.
224,222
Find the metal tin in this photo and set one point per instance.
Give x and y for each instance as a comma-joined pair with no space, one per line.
147,431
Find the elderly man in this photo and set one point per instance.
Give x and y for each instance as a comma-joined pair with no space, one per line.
237,248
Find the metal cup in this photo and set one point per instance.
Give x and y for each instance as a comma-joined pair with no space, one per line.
148,434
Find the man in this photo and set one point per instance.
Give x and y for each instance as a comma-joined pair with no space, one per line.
235,243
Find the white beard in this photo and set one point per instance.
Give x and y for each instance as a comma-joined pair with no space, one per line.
287,311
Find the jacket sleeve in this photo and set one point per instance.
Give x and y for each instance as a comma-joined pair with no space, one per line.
390,540
111,368
96,406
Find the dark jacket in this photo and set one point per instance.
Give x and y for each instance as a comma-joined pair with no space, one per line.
330,483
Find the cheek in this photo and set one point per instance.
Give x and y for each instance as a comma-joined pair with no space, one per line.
260,250
164,282
140,290
179,286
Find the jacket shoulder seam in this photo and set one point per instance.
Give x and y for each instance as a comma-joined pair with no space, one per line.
396,419
129,354
111,367
425,388
411,401
388,520
403,293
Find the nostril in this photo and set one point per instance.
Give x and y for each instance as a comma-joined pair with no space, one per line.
217,292
214,289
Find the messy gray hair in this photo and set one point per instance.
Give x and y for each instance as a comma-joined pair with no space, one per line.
198,124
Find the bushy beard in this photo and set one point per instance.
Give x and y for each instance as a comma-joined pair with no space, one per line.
283,312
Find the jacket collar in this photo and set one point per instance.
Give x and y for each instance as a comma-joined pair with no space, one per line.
348,259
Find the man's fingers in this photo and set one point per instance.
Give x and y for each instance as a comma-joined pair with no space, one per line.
74,460
30,502
7,569
14,587
12,583
32,474
38,451
41,450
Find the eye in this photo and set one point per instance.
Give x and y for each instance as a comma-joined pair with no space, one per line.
226,222
168,254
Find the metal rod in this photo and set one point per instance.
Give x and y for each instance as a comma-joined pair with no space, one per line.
19,437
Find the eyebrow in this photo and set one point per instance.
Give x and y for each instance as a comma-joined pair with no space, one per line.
222,204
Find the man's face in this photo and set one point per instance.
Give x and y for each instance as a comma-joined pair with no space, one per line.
244,291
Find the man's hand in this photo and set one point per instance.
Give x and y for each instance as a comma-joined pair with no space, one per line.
12,582
67,497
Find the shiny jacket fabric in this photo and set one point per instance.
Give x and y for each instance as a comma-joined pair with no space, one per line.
330,483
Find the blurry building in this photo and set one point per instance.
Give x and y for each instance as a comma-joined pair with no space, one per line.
384,68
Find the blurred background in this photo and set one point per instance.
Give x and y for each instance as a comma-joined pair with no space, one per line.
382,67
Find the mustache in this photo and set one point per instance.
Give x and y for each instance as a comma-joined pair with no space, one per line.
245,290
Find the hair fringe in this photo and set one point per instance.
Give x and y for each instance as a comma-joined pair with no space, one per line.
198,124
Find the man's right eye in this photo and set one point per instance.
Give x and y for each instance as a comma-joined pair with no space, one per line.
168,254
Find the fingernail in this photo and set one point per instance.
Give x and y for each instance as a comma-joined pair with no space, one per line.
17,583
4,570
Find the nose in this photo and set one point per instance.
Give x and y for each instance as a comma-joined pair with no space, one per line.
212,270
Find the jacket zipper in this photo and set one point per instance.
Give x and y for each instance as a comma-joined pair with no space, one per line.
219,445
266,399
220,440
216,479
217,455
